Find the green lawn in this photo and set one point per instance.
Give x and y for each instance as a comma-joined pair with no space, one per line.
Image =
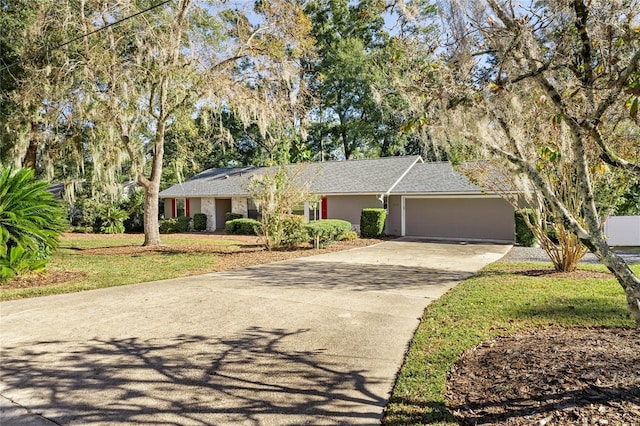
494,302
112,269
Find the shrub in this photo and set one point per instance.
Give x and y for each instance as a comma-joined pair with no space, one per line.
85,214
175,224
134,206
349,236
111,219
232,216
168,226
372,223
293,230
242,227
325,231
30,219
18,261
524,235
200,222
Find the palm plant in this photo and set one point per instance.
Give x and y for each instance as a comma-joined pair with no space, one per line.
111,219
30,217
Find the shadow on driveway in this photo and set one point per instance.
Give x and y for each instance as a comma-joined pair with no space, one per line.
244,378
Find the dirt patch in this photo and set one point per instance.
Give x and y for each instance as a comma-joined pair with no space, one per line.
246,251
553,376
48,278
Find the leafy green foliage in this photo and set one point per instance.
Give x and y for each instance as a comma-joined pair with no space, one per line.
349,236
85,214
372,222
112,219
18,261
524,235
629,202
175,225
325,231
134,206
242,227
200,222
232,216
293,231
276,193
30,218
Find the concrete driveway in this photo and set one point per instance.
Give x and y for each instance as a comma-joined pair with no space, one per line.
317,340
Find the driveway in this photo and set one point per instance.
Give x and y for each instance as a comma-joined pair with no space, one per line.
317,340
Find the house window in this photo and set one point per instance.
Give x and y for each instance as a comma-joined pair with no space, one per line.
181,207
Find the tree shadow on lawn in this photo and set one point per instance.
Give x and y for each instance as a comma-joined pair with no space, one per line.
578,310
248,378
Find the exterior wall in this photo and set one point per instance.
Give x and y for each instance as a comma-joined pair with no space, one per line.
195,206
623,230
168,210
349,207
239,205
394,216
477,218
223,206
208,207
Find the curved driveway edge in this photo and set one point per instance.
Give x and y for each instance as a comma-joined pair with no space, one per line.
316,340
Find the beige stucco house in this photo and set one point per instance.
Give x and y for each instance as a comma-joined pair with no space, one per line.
423,199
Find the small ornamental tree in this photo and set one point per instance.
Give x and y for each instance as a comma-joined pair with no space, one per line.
276,193
31,221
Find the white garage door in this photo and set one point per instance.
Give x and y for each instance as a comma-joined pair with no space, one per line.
481,218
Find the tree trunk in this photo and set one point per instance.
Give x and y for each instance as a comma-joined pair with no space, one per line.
152,185
151,224
625,276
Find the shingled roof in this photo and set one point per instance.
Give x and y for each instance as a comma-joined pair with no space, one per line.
368,176
435,177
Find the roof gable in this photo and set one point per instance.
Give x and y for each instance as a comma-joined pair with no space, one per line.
434,177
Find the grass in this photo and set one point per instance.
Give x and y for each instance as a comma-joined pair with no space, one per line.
496,301
108,270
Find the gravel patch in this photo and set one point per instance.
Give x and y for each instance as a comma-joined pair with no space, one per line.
535,254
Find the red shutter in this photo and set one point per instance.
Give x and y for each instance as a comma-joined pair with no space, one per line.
323,213
186,208
173,207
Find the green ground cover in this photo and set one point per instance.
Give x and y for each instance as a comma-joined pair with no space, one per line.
125,264
496,301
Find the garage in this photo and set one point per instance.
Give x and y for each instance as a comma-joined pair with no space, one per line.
469,218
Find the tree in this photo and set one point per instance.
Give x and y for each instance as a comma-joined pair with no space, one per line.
360,111
145,75
517,74
36,83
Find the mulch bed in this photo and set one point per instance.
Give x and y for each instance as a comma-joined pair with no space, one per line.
554,376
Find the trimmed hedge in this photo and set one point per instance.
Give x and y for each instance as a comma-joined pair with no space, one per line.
200,222
372,223
175,225
242,226
524,235
232,216
326,231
